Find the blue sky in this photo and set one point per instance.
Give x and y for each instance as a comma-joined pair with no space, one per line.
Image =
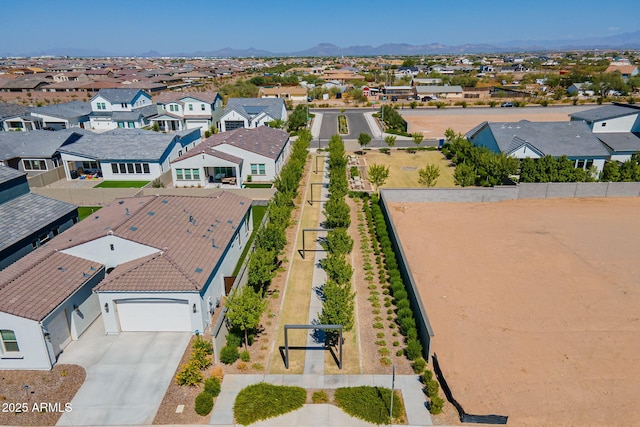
135,26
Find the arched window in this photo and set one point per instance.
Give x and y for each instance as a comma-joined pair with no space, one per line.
8,340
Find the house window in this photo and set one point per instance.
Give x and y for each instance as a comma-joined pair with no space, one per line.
114,167
187,174
190,107
120,124
179,175
145,168
196,174
122,167
123,105
34,165
132,125
258,169
101,106
589,164
9,341
604,124
202,107
138,167
580,164
130,168
89,165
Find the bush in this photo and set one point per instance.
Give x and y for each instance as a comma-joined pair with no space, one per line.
413,349
432,388
212,386
200,357
203,345
204,403
234,340
261,401
245,356
229,354
435,405
369,403
189,374
426,377
418,365
319,397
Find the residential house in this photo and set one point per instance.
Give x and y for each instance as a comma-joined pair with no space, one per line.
525,139
229,158
251,112
144,264
625,71
34,152
580,89
187,110
63,116
120,108
616,125
126,154
27,220
15,117
448,92
288,93
399,92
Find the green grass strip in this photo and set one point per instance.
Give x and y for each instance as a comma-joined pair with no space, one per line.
122,184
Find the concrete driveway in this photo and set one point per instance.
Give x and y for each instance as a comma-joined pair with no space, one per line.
127,375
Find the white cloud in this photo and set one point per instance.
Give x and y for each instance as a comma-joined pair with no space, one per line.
613,28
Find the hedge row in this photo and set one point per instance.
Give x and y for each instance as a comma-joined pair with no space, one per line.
405,318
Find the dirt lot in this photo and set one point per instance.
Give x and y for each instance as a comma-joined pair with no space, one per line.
534,304
434,126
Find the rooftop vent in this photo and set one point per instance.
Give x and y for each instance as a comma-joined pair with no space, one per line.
61,268
126,211
132,228
198,270
151,213
165,201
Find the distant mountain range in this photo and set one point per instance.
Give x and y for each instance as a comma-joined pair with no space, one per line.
617,42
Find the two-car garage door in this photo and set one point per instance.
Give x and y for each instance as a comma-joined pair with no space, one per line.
153,315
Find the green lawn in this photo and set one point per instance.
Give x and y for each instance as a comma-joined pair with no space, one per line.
258,213
122,184
85,211
258,185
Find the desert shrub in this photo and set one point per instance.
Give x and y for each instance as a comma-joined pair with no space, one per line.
203,345
369,403
245,356
234,340
319,397
204,403
406,323
413,349
401,294
405,312
212,386
432,388
412,333
261,401
418,365
403,303
435,405
200,357
189,374
426,377
229,354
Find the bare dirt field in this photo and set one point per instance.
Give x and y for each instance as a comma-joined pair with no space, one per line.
534,305
434,126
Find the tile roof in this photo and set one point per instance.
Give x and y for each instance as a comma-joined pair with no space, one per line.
166,97
7,174
12,110
251,107
43,283
605,112
66,110
29,213
36,143
192,233
119,96
208,150
620,141
572,138
263,140
140,144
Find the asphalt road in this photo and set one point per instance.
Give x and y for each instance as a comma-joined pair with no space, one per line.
355,121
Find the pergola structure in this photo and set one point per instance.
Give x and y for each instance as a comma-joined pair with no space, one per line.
324,327
304,231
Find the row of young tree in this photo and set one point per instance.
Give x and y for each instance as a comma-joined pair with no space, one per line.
482,167
338,297
245,306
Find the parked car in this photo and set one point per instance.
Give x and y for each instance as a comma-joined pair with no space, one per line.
507,104
429,98
394,99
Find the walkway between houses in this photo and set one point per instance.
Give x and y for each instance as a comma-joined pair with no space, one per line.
316,415
314,354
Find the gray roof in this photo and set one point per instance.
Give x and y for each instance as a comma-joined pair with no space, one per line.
12,110
573,138
263,140
605,112
439,89
27,214
125,144
119,96
36,143
68,110
7,174
621,141
251,107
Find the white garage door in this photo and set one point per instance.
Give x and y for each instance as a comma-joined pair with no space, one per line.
153,316
59,334
193,124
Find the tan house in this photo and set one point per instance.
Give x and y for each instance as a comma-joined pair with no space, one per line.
288,93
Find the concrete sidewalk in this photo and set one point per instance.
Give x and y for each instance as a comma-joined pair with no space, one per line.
321,415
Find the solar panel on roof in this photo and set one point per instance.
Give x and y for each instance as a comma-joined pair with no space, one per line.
253,109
